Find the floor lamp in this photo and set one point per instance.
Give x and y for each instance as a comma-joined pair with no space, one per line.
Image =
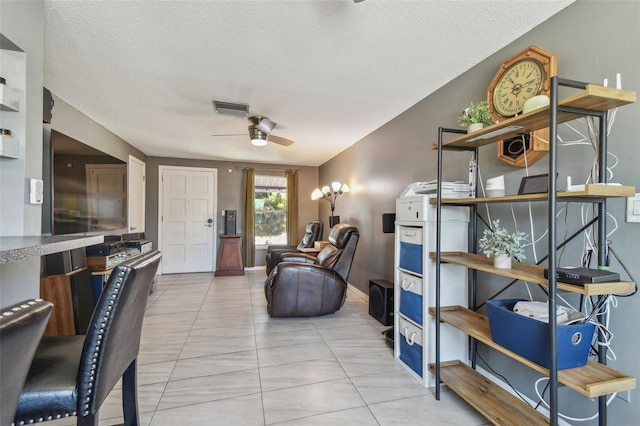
330,193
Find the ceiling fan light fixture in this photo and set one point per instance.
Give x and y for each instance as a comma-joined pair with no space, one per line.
258,138
258,142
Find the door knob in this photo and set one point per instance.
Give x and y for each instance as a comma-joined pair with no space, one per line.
209,223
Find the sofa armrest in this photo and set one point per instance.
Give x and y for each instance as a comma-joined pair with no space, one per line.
297,257
281,247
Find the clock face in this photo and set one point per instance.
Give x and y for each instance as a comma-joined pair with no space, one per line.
519,82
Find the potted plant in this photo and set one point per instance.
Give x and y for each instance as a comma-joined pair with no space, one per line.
502,245
476,117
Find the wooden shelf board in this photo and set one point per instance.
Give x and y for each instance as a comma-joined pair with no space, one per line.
591,380
591,192
496,404
594,97
532,273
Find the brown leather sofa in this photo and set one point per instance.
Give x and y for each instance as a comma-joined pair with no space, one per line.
303,285
313,233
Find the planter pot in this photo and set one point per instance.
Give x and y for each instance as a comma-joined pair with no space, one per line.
502,261
474,127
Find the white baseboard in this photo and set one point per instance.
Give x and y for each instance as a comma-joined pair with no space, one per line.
359,293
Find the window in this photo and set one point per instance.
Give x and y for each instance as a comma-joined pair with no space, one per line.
271,210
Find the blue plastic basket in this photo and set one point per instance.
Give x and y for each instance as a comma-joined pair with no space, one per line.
529,337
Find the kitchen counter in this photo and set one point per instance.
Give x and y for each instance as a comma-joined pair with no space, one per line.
13,249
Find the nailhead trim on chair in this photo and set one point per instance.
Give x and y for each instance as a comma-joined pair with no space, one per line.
96,351
93,364
42,419
21,307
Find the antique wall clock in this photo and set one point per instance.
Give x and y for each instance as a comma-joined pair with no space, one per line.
522,76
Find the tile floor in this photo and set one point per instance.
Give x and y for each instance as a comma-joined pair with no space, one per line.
211,355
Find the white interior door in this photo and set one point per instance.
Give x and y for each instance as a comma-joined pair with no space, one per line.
136,176
187,219
107,196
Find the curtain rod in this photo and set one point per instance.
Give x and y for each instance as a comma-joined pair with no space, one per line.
267,170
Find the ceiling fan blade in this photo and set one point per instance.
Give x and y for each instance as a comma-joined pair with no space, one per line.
233,134
279,140
265,125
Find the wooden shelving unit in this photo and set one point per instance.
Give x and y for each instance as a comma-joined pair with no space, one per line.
489,399
593,380
594,98
531,273
591,193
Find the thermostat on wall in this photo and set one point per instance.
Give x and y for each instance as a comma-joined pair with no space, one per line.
36,190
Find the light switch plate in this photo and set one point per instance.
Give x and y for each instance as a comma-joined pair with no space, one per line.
633,208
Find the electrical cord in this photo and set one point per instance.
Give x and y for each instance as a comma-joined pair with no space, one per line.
503,378
575,419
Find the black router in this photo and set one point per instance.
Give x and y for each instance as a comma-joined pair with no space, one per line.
581,276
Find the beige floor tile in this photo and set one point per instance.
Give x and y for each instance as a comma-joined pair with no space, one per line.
210,354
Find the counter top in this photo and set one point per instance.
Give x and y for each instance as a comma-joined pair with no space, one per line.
13,249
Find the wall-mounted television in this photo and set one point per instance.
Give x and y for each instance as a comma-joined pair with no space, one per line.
87,188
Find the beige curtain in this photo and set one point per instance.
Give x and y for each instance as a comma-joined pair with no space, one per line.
292,206
248,218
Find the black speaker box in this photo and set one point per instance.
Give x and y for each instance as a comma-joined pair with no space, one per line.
230,222
381,301
65,261
47,105
388,223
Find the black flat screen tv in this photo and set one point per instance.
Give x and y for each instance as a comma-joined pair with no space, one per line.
85,189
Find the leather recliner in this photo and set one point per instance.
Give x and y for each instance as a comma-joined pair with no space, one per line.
303,285
313,233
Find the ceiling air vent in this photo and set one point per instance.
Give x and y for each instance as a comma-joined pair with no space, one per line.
230,108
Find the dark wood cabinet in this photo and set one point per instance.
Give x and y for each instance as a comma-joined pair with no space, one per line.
73,302
230,259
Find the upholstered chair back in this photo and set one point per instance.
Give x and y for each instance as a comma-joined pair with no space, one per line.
313,233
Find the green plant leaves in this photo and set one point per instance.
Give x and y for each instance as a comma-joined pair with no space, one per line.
498,241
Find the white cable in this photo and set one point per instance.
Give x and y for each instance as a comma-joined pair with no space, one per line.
615,223
486,205
575,419
526,284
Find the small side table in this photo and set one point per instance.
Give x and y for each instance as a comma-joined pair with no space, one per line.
230,259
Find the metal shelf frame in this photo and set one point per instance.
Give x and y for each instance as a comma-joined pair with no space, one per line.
555,108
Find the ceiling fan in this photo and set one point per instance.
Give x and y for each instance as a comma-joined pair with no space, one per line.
259,127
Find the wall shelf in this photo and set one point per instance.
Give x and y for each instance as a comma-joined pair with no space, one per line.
593,98
489,399
531,273
591,193
591,380
594,379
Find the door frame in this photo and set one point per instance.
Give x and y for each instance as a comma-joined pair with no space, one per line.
161,169
130,200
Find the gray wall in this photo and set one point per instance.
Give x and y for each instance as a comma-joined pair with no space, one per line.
73,123
230,192
593,40
22,23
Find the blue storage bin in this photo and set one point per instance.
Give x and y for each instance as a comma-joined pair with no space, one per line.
411,306
411,347
529,337
411,257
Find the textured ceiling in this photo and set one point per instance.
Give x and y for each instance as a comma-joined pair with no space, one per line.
328,72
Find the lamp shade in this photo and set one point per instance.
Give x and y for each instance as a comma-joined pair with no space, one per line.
316,194
259,142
